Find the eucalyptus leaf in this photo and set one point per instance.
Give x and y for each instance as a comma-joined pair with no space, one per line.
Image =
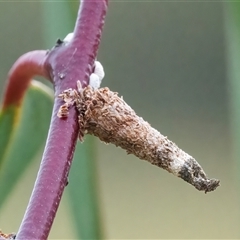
232,30
83,193
23,133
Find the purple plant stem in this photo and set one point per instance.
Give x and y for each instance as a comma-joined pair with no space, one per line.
20,75
66,65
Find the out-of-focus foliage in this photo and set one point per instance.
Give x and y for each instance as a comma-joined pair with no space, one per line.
82,191
232,26
23,132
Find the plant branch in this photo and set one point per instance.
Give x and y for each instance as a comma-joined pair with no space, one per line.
66,64
20,75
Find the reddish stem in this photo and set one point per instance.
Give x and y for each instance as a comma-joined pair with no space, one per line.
20,75
66,64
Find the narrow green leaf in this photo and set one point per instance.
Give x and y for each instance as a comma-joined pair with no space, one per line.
6,129
83,191
232,27
23,133
57,20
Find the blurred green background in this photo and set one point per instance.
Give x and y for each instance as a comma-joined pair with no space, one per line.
169,61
